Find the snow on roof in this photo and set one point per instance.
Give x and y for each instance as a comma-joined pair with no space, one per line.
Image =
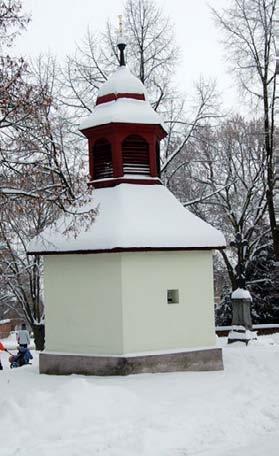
240,293
122,81
3,322
132,216
122,110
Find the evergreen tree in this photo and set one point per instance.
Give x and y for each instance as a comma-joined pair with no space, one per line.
223,312
262,280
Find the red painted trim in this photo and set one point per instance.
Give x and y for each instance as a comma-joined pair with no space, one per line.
90,157
124,129
123,180
153,158
117,158
116,96
116,133
128,249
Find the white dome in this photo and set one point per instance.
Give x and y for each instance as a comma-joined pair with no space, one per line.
122,81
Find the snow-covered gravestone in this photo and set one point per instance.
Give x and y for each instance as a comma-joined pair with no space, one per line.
134,291
241,317
241,298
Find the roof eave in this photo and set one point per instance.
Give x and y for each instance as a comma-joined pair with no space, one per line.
123,249
86,130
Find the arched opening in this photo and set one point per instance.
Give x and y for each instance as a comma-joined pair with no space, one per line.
102,159
135,154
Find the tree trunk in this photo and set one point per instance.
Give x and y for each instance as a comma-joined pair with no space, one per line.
39,336
275,236
273,226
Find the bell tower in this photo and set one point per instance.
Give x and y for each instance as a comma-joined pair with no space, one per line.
123,132
134,285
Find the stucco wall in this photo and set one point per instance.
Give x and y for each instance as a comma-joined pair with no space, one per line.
83,303
149,322
117,303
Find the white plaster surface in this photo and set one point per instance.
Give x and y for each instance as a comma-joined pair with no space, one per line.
149,322
83,303
117,303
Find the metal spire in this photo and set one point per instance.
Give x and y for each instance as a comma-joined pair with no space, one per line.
121,42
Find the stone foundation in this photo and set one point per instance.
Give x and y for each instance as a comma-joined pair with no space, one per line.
210,359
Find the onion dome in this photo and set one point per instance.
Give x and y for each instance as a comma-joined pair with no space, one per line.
121,84
122,99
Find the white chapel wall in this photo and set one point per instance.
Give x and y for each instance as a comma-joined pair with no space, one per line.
117,303
83,303
149,322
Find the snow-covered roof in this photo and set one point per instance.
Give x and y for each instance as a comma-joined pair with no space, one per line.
122,81
3,322
122,110
132,216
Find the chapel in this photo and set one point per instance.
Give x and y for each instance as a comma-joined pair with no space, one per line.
133,291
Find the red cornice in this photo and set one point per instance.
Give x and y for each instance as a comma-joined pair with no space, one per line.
123,180
116,96
126,249
124,129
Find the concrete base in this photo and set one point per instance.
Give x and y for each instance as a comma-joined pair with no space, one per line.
197,360
241,334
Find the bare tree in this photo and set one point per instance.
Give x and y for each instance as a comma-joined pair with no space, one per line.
152,52
249,31
185,125
40,171
20,273
42,177
152,55
11,20
225,184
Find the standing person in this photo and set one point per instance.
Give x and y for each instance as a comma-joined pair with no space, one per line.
23,338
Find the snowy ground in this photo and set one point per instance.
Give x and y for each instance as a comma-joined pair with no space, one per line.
175,414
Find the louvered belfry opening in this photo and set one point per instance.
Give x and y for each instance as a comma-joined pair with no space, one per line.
135,154
102,159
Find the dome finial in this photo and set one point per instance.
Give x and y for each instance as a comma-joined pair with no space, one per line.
121,42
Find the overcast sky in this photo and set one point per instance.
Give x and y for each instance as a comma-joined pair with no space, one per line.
57,25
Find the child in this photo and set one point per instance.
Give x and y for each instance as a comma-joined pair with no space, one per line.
22,357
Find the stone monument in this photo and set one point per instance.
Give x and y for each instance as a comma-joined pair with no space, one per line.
241,299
